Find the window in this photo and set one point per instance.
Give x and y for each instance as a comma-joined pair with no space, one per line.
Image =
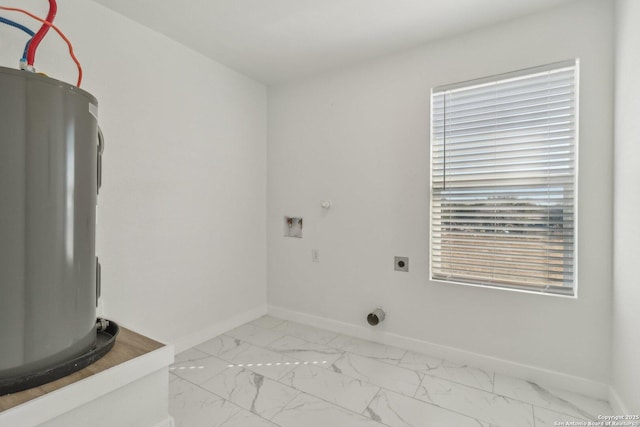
503,180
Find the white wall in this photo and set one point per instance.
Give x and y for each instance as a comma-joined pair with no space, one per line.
626,293
360,137
181,228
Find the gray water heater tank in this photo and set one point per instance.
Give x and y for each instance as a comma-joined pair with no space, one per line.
48,186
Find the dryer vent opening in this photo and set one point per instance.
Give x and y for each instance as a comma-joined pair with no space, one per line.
376,317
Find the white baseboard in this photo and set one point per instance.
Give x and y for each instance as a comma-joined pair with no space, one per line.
544,377
618,406
218,328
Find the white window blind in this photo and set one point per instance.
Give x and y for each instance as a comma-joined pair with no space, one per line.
503,180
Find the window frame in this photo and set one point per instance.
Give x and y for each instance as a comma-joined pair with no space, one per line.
530,289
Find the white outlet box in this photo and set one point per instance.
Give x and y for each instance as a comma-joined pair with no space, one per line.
315,255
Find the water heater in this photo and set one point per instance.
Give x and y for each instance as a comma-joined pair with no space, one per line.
49,177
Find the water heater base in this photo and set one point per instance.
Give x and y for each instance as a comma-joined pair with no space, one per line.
105,340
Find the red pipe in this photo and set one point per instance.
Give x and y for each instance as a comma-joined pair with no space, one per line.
31,53
49,24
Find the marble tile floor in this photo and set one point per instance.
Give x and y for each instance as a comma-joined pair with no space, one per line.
277,373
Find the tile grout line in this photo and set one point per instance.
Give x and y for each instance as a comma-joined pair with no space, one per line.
330,403
406,352
464,385
310,394
435,405
265,327
370,401
338,406
227,400
422,375
554,411
281,354
286,404
417,388
301,392
344,352
538,406
306,341
274,329
380,387
252,345
381,361
347,352
475,389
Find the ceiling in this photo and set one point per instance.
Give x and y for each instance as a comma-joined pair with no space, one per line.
278,40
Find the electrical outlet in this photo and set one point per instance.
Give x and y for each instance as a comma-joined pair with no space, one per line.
401,263
315,255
